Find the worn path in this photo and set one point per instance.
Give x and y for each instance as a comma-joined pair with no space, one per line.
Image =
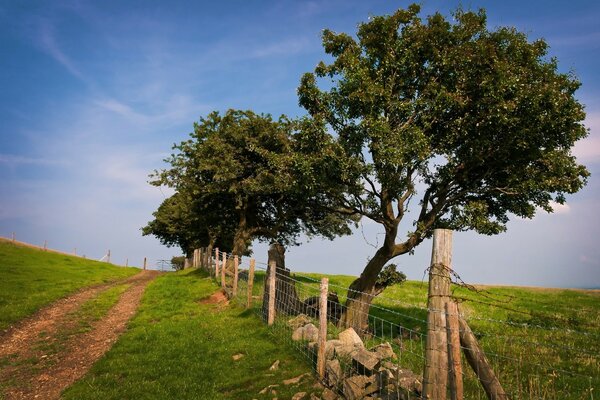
47,378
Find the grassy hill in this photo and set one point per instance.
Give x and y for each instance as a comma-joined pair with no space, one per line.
32,278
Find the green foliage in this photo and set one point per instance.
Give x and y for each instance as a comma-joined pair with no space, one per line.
389,276
178,262
33,278
479,121
239,177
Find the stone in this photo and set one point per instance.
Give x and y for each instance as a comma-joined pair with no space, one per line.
350,337
299,396
358,386
269,389
409,381
296,380
314,397
384,350
365,362
329,394
307,332
299,321
274,366
333,373
236,357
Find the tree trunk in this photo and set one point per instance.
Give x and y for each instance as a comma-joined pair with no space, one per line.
286,298
362,292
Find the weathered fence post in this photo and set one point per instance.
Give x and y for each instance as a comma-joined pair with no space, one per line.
209,263
478,361
235,274
271,308
435,376
455,375
145,261
322,327
217,263
14,238
127,262
223,267
108,257
45,245
250,282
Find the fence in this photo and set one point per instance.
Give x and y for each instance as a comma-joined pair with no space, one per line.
430,348
105,258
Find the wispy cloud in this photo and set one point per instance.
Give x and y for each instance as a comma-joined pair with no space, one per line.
15,160
588,149
49,43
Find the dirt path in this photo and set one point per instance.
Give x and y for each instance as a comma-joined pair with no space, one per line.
78,353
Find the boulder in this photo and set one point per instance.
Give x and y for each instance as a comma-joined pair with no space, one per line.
349,337
333,373
358,386
299,321
409,381
307,332
384,350
299,396
329,394
365,362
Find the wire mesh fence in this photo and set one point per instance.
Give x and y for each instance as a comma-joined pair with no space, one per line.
386,354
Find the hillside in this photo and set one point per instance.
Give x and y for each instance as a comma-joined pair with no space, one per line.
31,278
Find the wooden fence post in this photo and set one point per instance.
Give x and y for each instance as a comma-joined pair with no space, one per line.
216,256
145,261
209,263
456,373
45,245
322,327
271,308
478,361
235,274
223,267
108,258
13,237
250,282
127,262
435,376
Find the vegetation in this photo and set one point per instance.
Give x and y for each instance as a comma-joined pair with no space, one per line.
180,347
472,124
33,278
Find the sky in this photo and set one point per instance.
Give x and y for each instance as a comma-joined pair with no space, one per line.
94,94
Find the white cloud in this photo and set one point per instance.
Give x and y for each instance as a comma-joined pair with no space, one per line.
588,149
16,160
560,208
48,42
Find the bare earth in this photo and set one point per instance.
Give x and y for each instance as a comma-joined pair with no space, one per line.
50,375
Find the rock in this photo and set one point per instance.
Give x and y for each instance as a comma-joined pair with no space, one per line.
314,397
333,373
274,366
237,356
307,332
299,321
410,381
350,337
384,350
296,380
329,394
358,386
365,362
299,396
269,389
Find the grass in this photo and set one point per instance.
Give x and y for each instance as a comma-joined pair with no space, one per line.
542,343
33,278
178,347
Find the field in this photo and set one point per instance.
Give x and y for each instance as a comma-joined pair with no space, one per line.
184,342
32,278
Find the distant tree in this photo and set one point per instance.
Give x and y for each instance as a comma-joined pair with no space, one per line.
474,124
178,262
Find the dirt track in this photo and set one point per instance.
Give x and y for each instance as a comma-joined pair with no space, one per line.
49,376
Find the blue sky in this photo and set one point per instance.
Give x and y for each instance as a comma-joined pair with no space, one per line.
95,93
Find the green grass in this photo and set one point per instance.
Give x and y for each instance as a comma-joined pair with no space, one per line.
178,348
33,278
542,343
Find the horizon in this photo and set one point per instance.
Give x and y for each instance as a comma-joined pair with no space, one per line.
96,94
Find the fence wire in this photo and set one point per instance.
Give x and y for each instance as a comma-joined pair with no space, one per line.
531,361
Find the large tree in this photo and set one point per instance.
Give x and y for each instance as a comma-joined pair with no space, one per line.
471,123
251,179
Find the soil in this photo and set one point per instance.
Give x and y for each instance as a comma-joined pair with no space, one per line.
31,374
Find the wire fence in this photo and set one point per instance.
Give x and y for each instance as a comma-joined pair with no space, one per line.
387,354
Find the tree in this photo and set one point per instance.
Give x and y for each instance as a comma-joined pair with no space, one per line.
188,222
476,124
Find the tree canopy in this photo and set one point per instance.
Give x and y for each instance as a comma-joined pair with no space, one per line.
246,176
474,124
